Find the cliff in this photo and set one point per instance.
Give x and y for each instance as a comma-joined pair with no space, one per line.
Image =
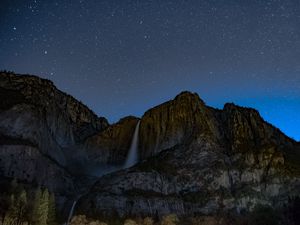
194,159
200,160
41,129
174,122
111,145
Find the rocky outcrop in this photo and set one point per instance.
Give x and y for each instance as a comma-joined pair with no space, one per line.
182,119
245,130
68,120
26,163
175,122
111,145
194,159
42,130
199,160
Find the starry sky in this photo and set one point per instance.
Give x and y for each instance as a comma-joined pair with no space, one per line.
121,57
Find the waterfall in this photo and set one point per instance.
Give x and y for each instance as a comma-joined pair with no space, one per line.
71,212
132,156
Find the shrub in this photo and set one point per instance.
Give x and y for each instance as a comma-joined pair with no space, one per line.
130,222
148,221
82,220
171,219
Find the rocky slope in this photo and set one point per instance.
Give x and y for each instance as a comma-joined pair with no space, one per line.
41,130
106,151
194,159
174,122
200,160
111,145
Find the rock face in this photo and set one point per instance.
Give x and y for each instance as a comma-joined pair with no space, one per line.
194,159
173,123
107,150
27,163
41,129
111,145
199,160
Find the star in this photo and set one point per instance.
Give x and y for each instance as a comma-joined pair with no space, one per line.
181,45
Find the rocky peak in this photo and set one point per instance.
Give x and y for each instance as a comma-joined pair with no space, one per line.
245,129
173,122
46,97
186,118
41,131
187,96
203,161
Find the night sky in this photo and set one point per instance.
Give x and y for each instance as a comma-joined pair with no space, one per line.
123,57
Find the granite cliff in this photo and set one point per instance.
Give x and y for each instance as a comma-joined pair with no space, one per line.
194,159
200,160
107,150
41,130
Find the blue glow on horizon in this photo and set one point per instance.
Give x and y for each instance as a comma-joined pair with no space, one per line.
280,112
283,113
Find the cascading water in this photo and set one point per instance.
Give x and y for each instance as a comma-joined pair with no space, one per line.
132,156
71,212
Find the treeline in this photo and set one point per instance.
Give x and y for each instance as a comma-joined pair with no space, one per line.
21,207
260,215
171,219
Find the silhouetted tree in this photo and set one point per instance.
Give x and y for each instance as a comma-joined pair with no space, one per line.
35,215
51,210
21,207
44,207
11,214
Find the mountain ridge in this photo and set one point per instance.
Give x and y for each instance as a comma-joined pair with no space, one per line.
193,158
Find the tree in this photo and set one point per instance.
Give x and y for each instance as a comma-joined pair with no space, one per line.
148,221
79,220
44,207
130,222
21,206
12,213
51,210
96,223
36,206
40,207
171,219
